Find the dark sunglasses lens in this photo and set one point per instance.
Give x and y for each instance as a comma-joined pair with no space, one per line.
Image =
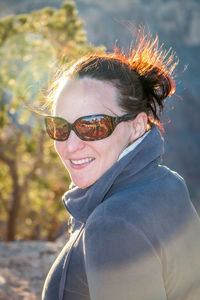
57,128
94,127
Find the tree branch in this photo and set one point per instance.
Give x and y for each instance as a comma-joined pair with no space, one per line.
4,203
3,157
36,163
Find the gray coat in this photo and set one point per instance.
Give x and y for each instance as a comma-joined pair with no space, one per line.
135,236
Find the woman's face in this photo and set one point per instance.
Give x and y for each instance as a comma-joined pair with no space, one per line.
87,161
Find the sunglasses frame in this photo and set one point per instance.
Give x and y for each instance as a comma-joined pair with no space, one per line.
114,121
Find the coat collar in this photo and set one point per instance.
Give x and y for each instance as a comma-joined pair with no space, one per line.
80,203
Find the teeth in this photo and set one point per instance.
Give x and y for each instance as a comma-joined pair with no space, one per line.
81,161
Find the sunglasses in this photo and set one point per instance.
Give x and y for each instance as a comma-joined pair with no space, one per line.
88,128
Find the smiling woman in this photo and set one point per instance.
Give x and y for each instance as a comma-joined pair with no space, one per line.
134,229
85,160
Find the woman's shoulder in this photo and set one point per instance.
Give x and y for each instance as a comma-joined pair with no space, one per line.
152,205
151,226
149,195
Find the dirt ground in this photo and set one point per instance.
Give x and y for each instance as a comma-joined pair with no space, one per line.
24,266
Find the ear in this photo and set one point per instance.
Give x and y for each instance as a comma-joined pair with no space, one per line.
139,126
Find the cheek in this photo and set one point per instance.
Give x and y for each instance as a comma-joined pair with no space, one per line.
109,149
122,137
59,147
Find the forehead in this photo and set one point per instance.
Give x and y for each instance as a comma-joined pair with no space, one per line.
79,97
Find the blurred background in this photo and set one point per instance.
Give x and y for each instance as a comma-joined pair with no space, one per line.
36,37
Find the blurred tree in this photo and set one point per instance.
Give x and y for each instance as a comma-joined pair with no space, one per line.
32,179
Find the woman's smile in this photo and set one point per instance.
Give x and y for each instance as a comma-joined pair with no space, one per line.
81,162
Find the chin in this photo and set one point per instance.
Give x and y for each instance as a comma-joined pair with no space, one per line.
82,184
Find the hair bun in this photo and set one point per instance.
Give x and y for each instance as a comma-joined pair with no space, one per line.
155,67
157,86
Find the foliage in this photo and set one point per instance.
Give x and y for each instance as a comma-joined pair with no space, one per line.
32,179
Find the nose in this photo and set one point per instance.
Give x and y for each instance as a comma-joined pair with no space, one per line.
73,143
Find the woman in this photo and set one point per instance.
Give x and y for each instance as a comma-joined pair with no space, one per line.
135,234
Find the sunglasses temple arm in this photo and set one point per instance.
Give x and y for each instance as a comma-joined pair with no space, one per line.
127,117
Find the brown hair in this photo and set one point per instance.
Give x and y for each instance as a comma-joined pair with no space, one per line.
143,77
